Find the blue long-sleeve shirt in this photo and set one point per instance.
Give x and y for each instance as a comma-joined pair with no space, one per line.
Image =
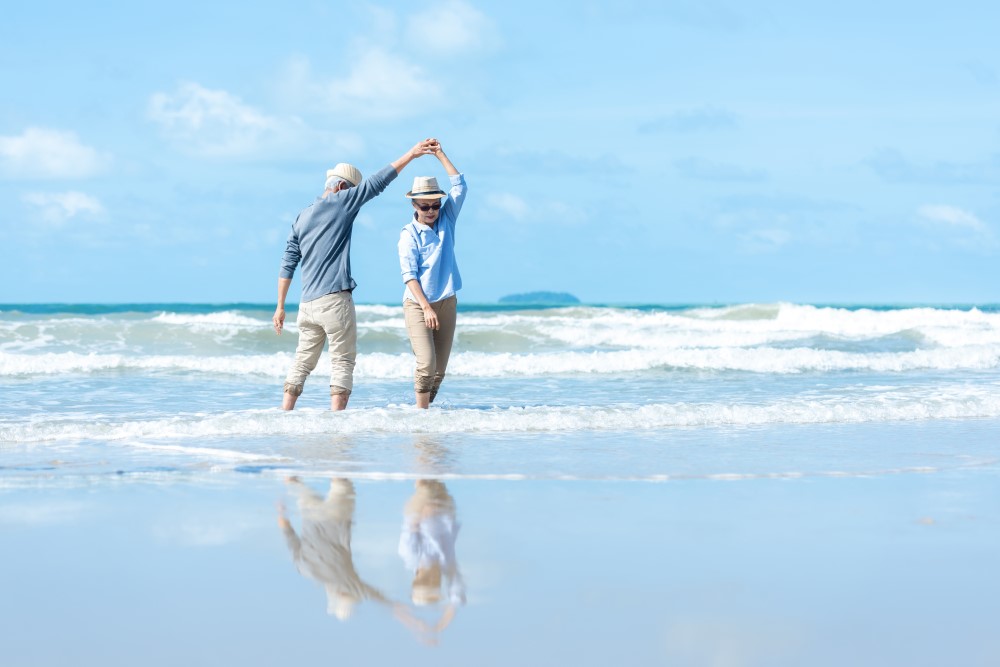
320,239
427,253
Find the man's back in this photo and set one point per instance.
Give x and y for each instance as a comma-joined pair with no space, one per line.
321,238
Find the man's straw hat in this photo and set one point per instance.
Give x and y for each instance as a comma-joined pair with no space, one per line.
348,172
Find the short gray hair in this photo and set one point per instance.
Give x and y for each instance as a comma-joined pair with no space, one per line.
331,183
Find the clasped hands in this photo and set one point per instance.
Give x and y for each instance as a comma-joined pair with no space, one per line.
429,146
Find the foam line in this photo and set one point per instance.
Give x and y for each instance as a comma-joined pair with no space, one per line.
959,402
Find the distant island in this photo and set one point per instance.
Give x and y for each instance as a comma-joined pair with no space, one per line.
541,298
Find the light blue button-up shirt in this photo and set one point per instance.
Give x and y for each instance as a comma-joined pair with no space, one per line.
427,253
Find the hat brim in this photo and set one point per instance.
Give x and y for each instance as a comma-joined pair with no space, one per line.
434,194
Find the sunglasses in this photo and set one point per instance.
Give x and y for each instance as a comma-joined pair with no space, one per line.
428,207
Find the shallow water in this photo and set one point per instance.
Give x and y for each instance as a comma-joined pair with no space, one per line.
767,484
875,570
136,387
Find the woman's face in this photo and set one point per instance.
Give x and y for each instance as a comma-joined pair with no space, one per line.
427,210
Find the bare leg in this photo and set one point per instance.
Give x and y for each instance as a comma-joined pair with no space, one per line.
288,401
423,400
338,402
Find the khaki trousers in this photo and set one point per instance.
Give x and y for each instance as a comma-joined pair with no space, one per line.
432,348
332,319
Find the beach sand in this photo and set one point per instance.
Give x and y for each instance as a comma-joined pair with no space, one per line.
745,552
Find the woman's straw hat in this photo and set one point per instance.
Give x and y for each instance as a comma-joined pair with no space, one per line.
425,187
348,172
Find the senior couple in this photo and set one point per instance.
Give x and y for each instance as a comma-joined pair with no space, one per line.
320,243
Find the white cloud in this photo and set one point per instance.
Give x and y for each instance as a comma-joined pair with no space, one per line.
211,122
951,216
394,73
216,123
44,153
210,531
765,240
510,206
194,107
36,514
57,208
379,85
452,28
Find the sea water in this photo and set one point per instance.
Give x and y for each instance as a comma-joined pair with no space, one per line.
593,392
773,484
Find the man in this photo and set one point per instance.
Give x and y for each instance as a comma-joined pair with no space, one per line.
322,551
321,241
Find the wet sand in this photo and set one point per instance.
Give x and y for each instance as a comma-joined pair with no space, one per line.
873,569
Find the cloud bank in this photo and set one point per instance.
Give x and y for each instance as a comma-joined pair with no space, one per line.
41,153
57,208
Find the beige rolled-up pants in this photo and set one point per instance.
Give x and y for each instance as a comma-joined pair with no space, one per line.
332,319
431,348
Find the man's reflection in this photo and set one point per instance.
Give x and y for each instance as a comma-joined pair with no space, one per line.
323,551
427,547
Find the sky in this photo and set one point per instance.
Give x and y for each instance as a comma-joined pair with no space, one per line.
672,152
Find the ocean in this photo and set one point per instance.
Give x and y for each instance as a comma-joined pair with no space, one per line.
760,484
162,390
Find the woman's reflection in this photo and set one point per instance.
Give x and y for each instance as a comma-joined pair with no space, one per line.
427,547
323,551
433,458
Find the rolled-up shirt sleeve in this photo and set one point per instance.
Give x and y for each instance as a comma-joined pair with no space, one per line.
409,257
456,197
411,548
372,186
290,259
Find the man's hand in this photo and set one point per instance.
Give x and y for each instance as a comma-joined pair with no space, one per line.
283,516
278,320
431,318
425,147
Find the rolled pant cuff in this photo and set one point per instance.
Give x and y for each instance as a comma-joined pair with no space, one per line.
339,391
293,389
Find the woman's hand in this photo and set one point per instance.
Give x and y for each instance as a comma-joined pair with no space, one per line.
425,147
431,318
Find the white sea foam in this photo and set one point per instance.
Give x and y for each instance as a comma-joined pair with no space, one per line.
224,319
727,327
329,473
577,328
376,310
481,364
933,403
71,362
206,452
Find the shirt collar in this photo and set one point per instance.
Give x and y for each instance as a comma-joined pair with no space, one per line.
420,227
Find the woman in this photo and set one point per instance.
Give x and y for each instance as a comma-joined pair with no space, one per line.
427,547
430,272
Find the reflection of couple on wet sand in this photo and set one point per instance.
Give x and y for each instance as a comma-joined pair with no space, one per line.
322,551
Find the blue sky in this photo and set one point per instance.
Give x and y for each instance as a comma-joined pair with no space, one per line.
674,152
